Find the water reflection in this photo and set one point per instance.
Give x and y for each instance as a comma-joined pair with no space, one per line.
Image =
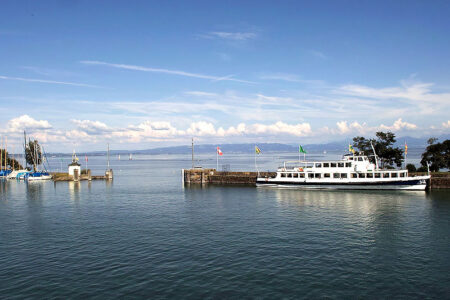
351,201
3,189
74,191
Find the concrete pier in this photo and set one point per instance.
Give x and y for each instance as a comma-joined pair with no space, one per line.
79,177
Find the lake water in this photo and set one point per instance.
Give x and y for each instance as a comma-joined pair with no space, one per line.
145,235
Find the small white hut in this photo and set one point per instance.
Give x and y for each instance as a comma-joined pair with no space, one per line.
74,165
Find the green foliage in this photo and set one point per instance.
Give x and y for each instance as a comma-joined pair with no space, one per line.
11,162
437,155
411,168
422,169
33,154
383,144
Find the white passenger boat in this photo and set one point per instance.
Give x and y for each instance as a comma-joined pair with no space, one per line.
352,172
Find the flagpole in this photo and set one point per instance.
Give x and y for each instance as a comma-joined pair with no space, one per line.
256,168
406,152
217,158
299,155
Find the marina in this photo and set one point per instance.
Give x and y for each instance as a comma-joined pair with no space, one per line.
136,235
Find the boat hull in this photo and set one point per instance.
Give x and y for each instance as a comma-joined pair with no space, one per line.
40,178
414,184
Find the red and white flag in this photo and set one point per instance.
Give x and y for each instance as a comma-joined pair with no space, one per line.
219,151
85,158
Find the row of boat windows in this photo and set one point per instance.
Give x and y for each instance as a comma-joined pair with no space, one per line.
333,165
344,175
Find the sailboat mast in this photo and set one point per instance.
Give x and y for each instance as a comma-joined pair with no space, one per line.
1,156
6,148
25,148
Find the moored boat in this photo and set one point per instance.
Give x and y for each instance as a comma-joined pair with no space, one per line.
18,174
37,176
4,173
352,172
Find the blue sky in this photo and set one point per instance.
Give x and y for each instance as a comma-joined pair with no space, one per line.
143,74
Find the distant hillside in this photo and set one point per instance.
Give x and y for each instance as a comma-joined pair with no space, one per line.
419,144
229,148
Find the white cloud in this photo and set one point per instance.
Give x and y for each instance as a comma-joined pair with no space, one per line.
201,129
399,125
47,81
91,127
165,71
446,124
301,129
343,127
25,122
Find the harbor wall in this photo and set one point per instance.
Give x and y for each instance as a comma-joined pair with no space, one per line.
439,180
211,176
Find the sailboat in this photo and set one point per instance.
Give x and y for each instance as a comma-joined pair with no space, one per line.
36,175
130,157
119,157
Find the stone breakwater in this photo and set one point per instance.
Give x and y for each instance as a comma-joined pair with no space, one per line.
439,180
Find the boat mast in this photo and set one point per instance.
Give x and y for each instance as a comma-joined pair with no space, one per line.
1,155
375,154
6,148
25,148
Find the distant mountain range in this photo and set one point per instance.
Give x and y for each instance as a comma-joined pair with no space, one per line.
417,143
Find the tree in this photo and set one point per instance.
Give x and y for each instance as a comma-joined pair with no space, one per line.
12,163
33,154
411,168
437,155
383,144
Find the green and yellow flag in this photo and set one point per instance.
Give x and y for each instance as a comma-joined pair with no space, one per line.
301,150
257,150
350,149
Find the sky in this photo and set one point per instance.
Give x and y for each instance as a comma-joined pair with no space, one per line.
147,74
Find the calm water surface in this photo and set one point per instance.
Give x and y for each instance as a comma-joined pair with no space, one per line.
144,235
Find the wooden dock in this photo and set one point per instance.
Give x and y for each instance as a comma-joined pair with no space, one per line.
439,180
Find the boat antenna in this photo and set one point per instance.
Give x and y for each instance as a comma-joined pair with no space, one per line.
108,156
374,154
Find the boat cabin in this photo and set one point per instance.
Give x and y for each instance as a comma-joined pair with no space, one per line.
351,166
